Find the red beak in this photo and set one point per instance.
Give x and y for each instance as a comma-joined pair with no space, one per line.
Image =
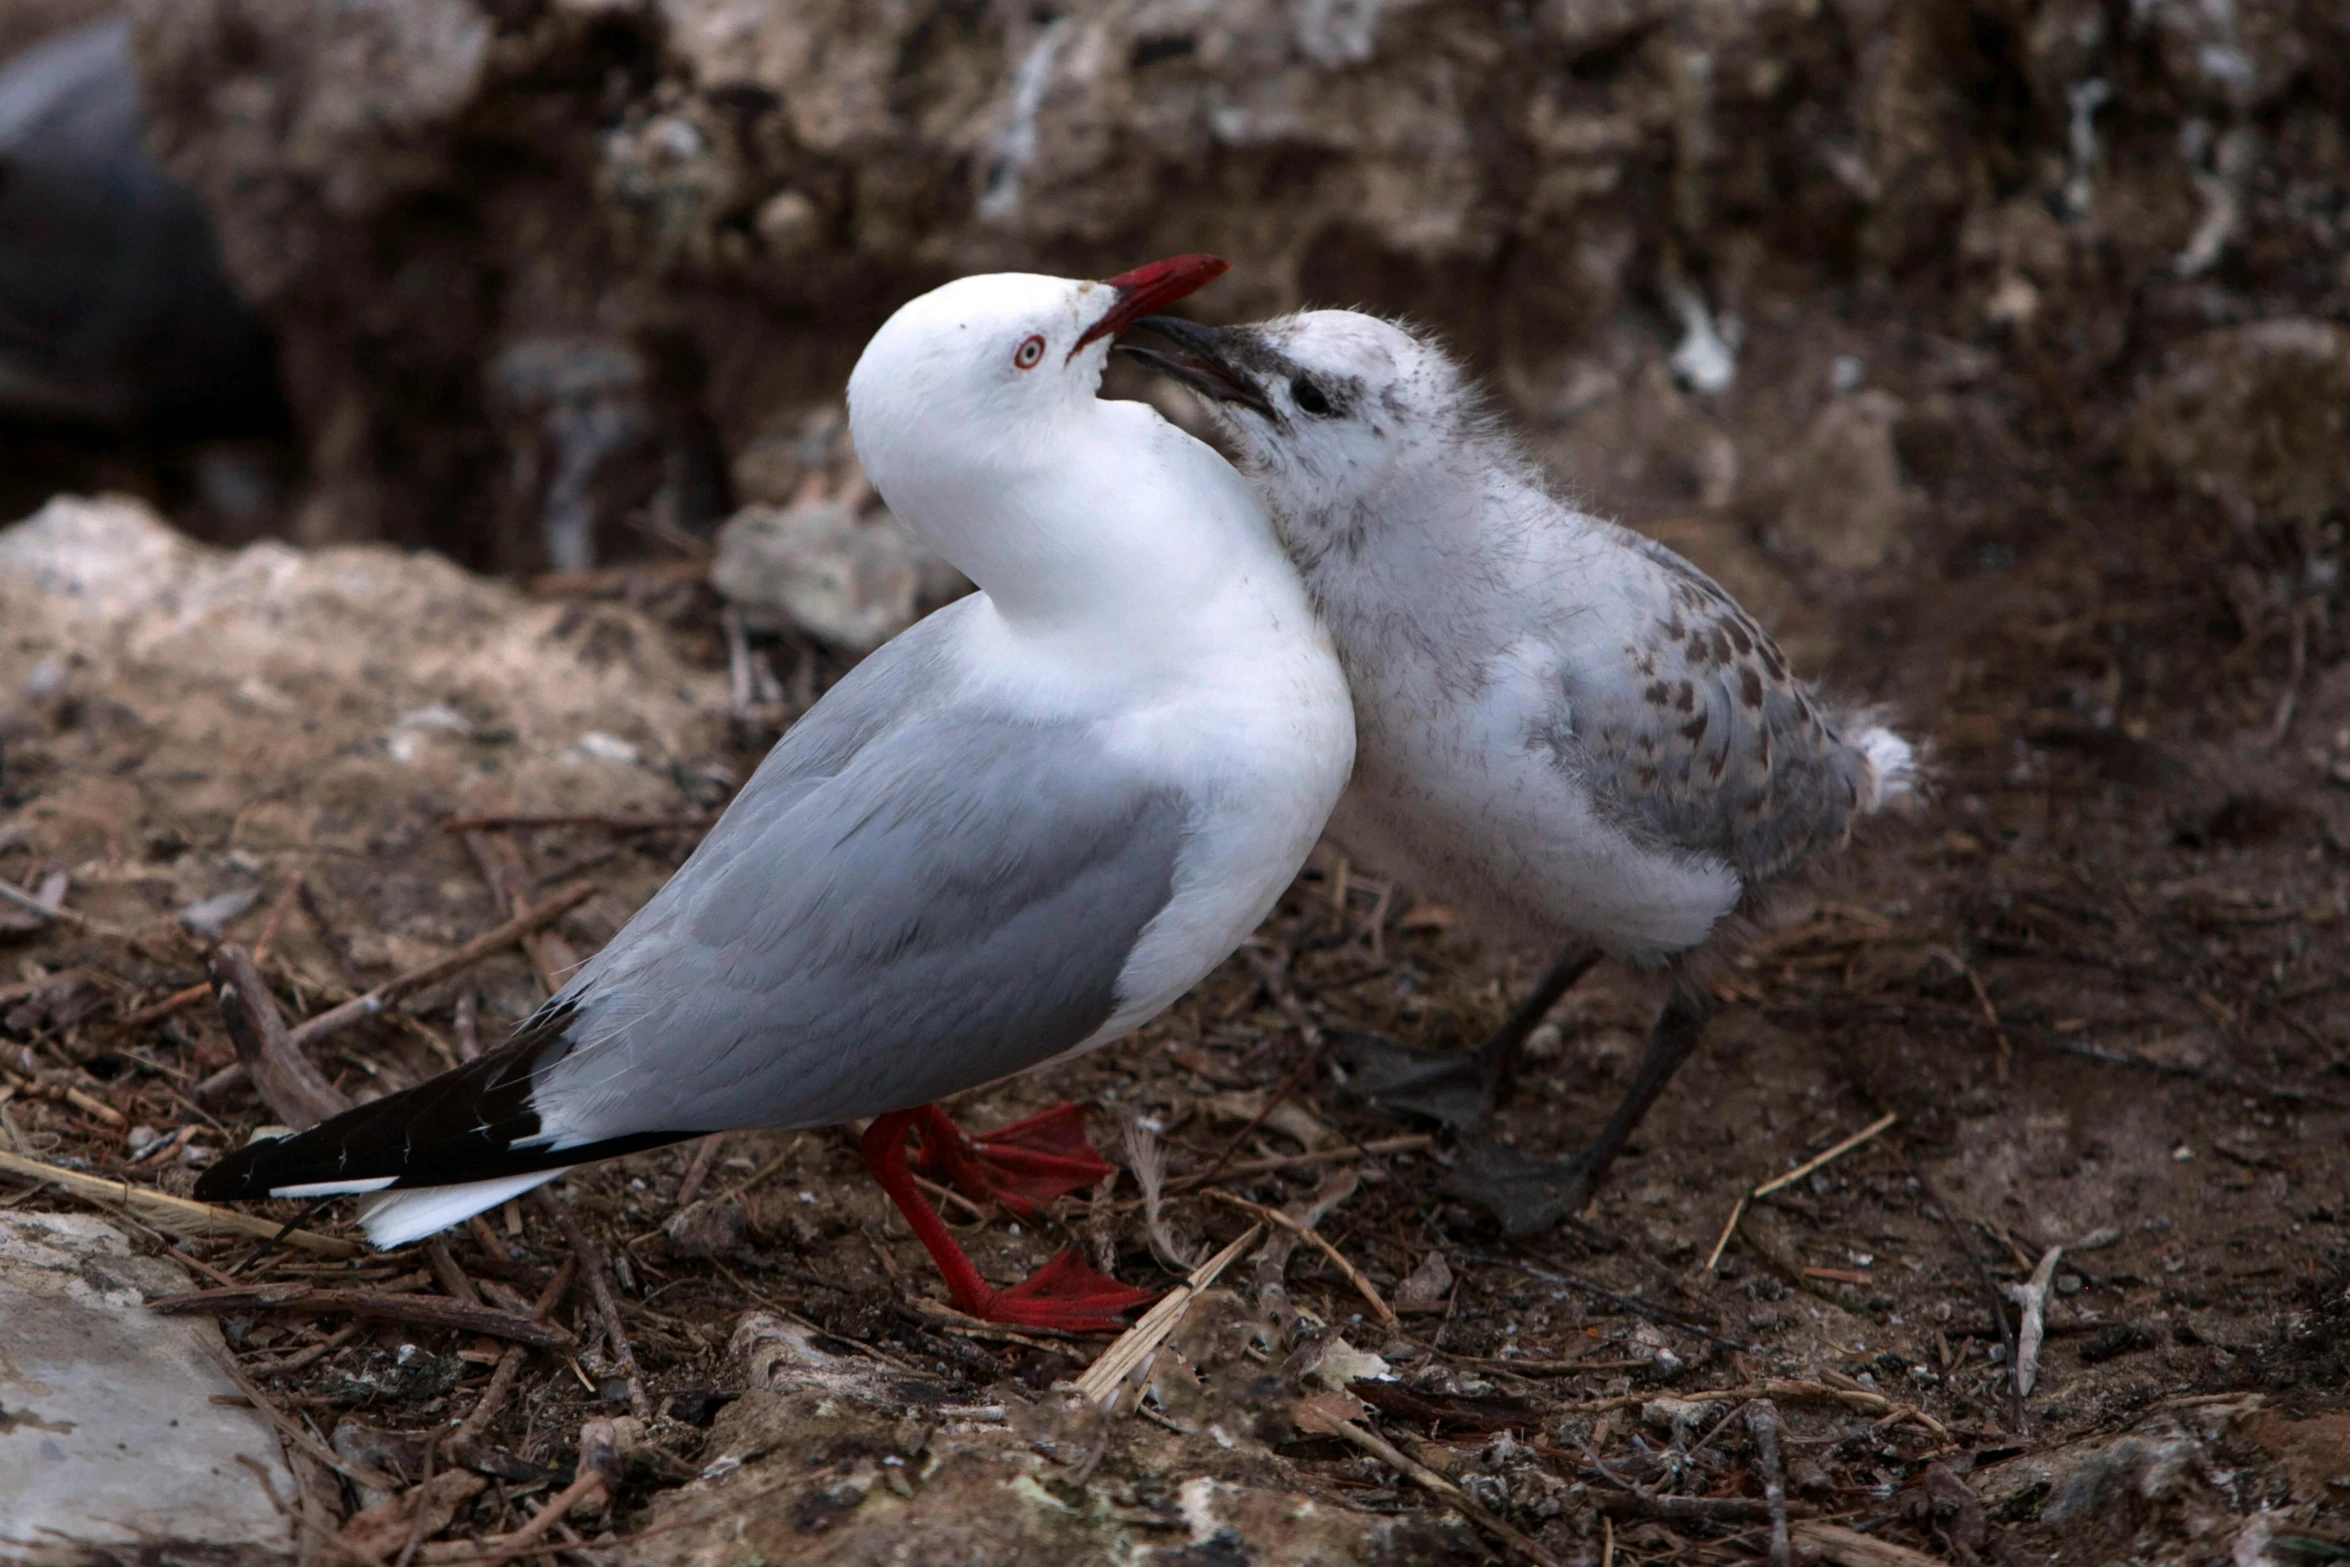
1142,291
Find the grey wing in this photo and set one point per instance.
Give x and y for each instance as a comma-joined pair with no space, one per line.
949,902
1696,735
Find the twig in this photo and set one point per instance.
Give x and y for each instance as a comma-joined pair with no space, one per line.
591,1263
286,1080
1984,1283
156,1012
489,942
509,1364
1851,1548
277,916
2031,1300
174,1215
1301,1161
1828,1156
1138,1343
1791,1391
424,1311
1315,1238
502,866
1762,1421
11,893
444,1268
1428,1479
705,1156
1729,1228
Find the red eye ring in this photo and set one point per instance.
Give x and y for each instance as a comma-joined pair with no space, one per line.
1030,353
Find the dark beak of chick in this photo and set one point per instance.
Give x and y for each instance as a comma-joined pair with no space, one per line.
1219,363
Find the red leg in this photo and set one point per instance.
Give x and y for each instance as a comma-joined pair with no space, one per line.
1064,1293
1023,1166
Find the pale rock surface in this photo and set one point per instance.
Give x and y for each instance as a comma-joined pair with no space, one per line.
108,1430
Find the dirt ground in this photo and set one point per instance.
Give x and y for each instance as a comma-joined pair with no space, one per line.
2099,984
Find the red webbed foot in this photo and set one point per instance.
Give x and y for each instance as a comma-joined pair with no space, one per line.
1020,1165
1023,1166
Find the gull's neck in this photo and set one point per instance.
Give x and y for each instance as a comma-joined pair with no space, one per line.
1107,526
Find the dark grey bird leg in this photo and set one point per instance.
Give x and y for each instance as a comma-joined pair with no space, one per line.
1461,1087
1529,1195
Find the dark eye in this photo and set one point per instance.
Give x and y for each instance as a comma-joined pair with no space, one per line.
1030,353
1308,397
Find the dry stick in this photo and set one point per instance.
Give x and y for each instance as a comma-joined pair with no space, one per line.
174,1215
1792,1391
1299,1161
591,1262
286,1080
1387,1453
1762,1421
698,1172
503,867
452,1278
1988,1286
510,1363
359,1008
1781,1183
156,1012
277,916
1315,1238
2031,1300
428,1311
316,1352
1827,1156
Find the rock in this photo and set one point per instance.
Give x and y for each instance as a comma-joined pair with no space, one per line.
832,1459
2255,417
819,567
342,700
1847,508
109,1433
712,1227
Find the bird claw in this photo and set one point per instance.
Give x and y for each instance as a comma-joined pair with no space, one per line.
1066,1294
1023,1166
1455,1088
1525,1196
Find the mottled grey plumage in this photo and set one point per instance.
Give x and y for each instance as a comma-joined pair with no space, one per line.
1563,728
1701,738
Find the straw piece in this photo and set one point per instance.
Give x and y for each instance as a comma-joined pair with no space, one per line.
174,1215
1104,1377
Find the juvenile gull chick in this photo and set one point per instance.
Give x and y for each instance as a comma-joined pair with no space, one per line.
1562,727
1021,829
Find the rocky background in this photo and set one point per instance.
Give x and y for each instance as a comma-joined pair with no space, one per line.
1996,353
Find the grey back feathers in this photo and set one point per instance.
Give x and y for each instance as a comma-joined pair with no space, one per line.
837,946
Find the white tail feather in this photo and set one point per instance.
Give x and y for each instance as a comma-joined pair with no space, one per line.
1894,761
396,1218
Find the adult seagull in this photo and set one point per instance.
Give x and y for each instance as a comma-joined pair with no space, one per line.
1566,729
1019,830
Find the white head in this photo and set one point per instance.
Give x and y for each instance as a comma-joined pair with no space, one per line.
974,394
1327,407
